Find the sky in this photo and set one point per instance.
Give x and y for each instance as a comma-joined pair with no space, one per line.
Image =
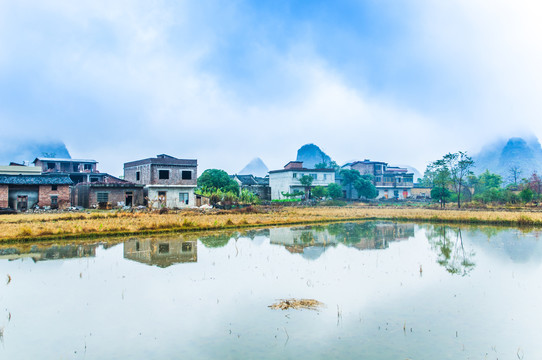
226,81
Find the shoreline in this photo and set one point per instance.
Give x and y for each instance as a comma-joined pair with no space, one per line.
71,226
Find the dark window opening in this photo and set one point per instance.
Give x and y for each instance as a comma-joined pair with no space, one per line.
88,167
93,179
163,248
51,166
163,174
102,197
187,175
186,247
75,167
54,202
138,175
54,187
137,245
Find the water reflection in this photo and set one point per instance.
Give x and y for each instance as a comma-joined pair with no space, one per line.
48,252
162,252
448,243
312,241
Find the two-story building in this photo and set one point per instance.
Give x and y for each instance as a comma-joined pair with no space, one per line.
79,170
287,180
391,182
169,182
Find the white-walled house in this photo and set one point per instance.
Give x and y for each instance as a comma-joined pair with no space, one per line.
287,180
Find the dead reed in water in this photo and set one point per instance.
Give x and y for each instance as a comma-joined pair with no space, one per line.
285,304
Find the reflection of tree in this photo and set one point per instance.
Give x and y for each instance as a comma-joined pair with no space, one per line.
448,242
218,240
352,233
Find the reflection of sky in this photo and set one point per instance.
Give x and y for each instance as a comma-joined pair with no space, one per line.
217,307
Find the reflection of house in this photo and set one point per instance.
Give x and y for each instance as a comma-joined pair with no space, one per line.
256,185
391,182
287,179
311,242
110,191
22,192
169,182
55,252
161,252
79,170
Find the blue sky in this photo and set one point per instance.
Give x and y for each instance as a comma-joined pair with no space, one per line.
398,81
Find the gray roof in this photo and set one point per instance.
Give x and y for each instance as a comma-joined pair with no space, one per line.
46,179
65,160
250,180
163,159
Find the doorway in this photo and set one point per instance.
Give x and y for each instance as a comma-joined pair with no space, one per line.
22,202
129,198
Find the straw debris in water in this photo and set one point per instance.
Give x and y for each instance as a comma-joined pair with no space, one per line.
285,304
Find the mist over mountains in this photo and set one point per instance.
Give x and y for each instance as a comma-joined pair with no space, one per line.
29,150
500,156
311,155
255,167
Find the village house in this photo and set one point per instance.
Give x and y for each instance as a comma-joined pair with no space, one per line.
287,180
161,252
259,186
23,192
107,193
169,182
391,182
78,170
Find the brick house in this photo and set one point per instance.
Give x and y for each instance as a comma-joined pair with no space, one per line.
391,182
169,182
22,192
287,180
109,192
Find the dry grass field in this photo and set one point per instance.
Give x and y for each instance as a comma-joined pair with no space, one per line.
32,227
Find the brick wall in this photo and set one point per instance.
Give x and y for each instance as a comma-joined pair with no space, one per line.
116,196
62,191
4,196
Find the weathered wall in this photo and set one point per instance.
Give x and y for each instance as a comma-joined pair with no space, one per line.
116,197
4,191
172,196
285,182
62,191
149,174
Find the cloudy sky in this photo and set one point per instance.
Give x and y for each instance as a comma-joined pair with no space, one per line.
225,81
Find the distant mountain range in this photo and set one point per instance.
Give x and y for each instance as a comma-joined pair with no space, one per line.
29,150
499,157
255,167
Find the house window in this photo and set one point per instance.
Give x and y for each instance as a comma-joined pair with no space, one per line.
138,175
183,198
325,176
378,167
51,166
295,175
102,197
54,187
163,248
54,201
186,247
378,179
396,193
137,245
186,175
88,167
163,174
398,180
314,176
93,179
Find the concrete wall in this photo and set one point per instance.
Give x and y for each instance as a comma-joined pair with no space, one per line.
284,181
4,192
149,174
172,196
116,196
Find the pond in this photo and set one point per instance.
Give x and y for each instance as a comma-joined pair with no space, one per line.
390,291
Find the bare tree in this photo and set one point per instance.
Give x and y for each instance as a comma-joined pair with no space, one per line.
514,172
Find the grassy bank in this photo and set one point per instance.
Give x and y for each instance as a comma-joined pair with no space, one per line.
32,227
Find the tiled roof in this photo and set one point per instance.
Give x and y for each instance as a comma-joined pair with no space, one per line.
56,179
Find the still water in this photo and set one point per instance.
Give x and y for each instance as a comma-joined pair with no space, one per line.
391,291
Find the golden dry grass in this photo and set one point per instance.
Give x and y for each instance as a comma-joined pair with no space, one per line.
25,227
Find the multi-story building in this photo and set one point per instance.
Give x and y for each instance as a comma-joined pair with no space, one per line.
169,182
287,180
391,182
79,170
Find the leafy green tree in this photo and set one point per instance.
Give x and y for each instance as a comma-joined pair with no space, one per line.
488,181
296,193
459,165
365,188
349,177
334,191
526,195
441,194
319,192
306,181
325,165
215,179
